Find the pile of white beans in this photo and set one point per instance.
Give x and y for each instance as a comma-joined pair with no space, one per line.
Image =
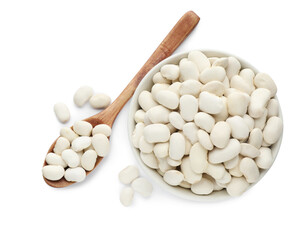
207,125
76,151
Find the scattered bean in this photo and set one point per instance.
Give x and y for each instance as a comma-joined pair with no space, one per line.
126,196
128,174
62,112
142,186
82,95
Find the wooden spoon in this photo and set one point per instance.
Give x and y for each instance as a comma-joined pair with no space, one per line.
174,38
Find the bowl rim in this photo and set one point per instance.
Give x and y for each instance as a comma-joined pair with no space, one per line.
152,173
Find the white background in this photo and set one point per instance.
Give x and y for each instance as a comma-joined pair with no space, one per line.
50,48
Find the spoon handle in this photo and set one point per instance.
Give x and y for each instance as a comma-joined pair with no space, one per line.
174,38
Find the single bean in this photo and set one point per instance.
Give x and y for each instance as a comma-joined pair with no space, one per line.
173,177
100,100
200,60
142,186
62,112
126,196
177,146
128,174
214,87
225,154
212,74
156,133
102,128
170,71
60,145
167,98
273,130
210,103
82,128
53,172
88,160
71,158
101,144
198,158
188,107
82,95
203,187
77,174
220,134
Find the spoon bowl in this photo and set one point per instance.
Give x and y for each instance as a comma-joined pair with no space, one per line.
94,120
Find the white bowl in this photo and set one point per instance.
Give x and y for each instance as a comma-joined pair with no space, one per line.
146,84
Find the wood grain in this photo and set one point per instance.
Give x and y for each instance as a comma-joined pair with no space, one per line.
174,38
